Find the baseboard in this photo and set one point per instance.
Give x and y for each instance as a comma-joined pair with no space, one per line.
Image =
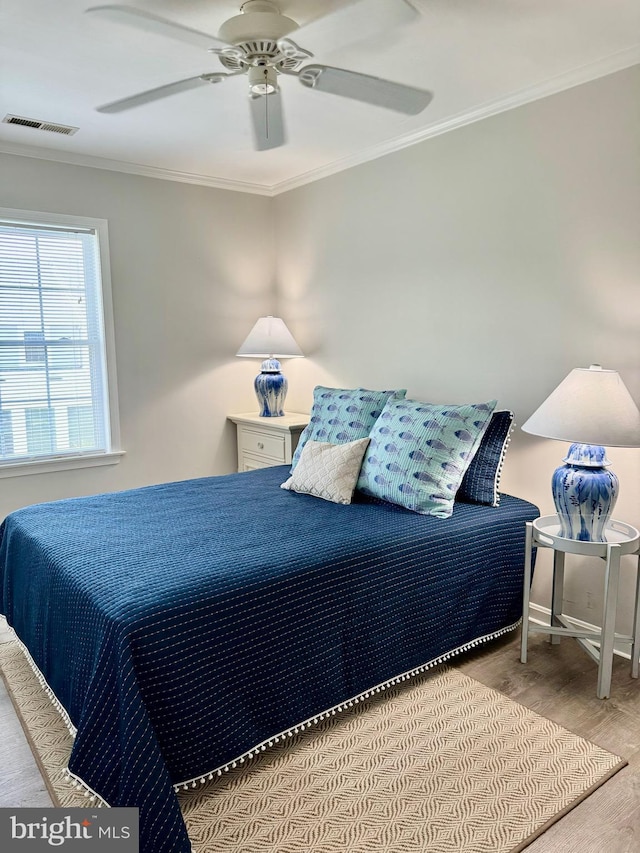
542,616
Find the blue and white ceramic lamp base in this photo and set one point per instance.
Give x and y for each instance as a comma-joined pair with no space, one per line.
271,389
584,492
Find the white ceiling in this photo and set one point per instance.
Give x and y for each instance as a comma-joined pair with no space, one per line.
478,57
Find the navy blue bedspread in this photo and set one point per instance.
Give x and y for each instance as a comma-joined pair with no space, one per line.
180,625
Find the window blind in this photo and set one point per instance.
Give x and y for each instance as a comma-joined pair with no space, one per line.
53,381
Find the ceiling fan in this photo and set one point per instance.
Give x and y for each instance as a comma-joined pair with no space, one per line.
258,42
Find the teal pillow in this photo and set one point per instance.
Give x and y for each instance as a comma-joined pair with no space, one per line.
340,415
419,452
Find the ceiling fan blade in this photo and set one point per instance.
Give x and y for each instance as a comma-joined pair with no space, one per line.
362,87
160,92
358,21
267,121
154,24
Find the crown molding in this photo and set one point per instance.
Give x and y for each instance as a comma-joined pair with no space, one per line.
74,159
568,80
554,85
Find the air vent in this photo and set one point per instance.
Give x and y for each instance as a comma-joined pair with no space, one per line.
65,129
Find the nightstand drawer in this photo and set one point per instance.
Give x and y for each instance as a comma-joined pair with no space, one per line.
252,463
262,444
267,441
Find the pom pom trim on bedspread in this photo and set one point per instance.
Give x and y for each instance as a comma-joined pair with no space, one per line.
498,475
98,801
76,781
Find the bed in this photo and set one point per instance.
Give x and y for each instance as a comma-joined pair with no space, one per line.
182,626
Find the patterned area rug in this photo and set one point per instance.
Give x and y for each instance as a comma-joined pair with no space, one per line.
440,764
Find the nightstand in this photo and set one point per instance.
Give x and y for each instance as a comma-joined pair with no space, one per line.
263,442
621,539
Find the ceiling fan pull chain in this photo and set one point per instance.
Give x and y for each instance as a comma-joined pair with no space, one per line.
266,102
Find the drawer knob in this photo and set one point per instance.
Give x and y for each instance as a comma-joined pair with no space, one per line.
260,445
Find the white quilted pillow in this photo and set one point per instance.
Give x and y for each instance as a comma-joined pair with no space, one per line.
328,471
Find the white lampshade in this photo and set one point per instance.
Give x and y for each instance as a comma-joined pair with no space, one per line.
590,406
270,337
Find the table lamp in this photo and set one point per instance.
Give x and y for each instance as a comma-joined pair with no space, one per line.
271,340
590,408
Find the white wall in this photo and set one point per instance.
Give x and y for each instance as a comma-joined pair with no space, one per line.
192,269
486,262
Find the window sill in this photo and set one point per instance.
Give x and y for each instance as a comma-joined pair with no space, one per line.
60,463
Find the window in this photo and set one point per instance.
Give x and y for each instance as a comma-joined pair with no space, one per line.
6,434
57,383
34,346
41,430
81,429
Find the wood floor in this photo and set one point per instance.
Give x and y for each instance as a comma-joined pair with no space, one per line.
557,682
20,780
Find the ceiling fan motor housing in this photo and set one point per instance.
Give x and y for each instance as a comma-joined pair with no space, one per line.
259,19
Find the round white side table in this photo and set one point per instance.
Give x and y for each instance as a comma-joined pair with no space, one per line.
621,539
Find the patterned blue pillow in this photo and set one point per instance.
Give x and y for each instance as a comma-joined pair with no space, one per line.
339,415
481,482
419,452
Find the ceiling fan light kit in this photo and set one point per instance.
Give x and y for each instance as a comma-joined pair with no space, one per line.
263,80
257,43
